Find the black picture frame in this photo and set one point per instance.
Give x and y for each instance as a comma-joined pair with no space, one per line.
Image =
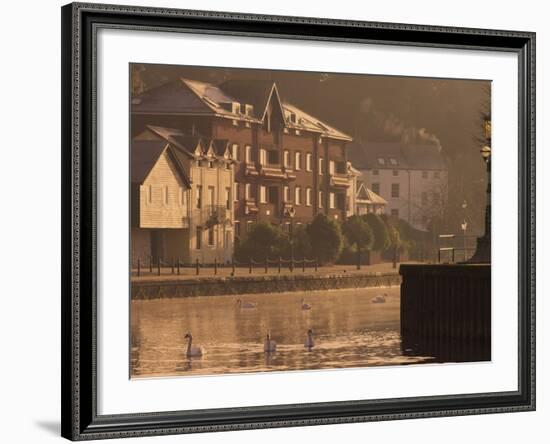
79,172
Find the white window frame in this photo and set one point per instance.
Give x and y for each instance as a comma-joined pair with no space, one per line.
263,194
332,200
235,191
286,193
298,195
286,159
247,188
308,197
320,199
263,156
248,153
298,160
235,151
308,162
320,165
211,195
331,167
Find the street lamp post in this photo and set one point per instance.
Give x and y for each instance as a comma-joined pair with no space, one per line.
464,226
483,248
291,214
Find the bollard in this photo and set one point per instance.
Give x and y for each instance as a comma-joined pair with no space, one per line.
215,265
316,264
178,266
250,266
280,264
291,264
197,266
304,264
139,267
158,267
265,265
358,258
233,265
173,264
150,264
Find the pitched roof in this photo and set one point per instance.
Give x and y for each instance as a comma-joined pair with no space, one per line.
365,194
396,156
193,97
145,154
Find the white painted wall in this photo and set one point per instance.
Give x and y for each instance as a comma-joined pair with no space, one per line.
30,317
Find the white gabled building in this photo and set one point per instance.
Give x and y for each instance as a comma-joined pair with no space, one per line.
412,179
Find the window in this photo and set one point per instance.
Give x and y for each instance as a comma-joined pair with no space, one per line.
211,236
393,161
235,151
320,165
395,172
181,197
331,201
249,226
286,159
248,153
237,228
341,201
235,191
198,197
298,160
273,195
298,196
395,213
273,157
381,161
150,194
286,193
395,190
436,175
211,195
211,164
166,195
247,194
375,187
308,197
227,198
263,198
263,156
198,238
436,198
375,172
308,162
320,202
286,227
331,167
424,198
424,174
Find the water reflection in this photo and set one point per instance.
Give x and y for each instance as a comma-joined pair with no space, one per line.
349,330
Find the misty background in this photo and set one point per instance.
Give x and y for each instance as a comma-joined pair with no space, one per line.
445,112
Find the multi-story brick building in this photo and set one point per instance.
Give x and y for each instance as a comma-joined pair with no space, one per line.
289,164
413,179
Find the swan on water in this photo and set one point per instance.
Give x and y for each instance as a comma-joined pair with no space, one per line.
192,350
309,344
305,305
245,305
270,346
379,299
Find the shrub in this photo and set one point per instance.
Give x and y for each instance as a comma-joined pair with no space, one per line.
326,239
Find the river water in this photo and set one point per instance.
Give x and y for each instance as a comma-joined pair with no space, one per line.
349,330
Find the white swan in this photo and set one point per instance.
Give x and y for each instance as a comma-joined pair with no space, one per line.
379,299
270,346
245,305
309,344
193,350
305,306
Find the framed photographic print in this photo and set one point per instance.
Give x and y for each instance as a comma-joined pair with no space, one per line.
282,221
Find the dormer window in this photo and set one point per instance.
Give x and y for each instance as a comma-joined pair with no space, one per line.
292,118
381,161
393,161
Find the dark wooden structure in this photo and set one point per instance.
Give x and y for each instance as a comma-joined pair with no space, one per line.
446,311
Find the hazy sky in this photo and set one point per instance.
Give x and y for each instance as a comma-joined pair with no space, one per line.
382,108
